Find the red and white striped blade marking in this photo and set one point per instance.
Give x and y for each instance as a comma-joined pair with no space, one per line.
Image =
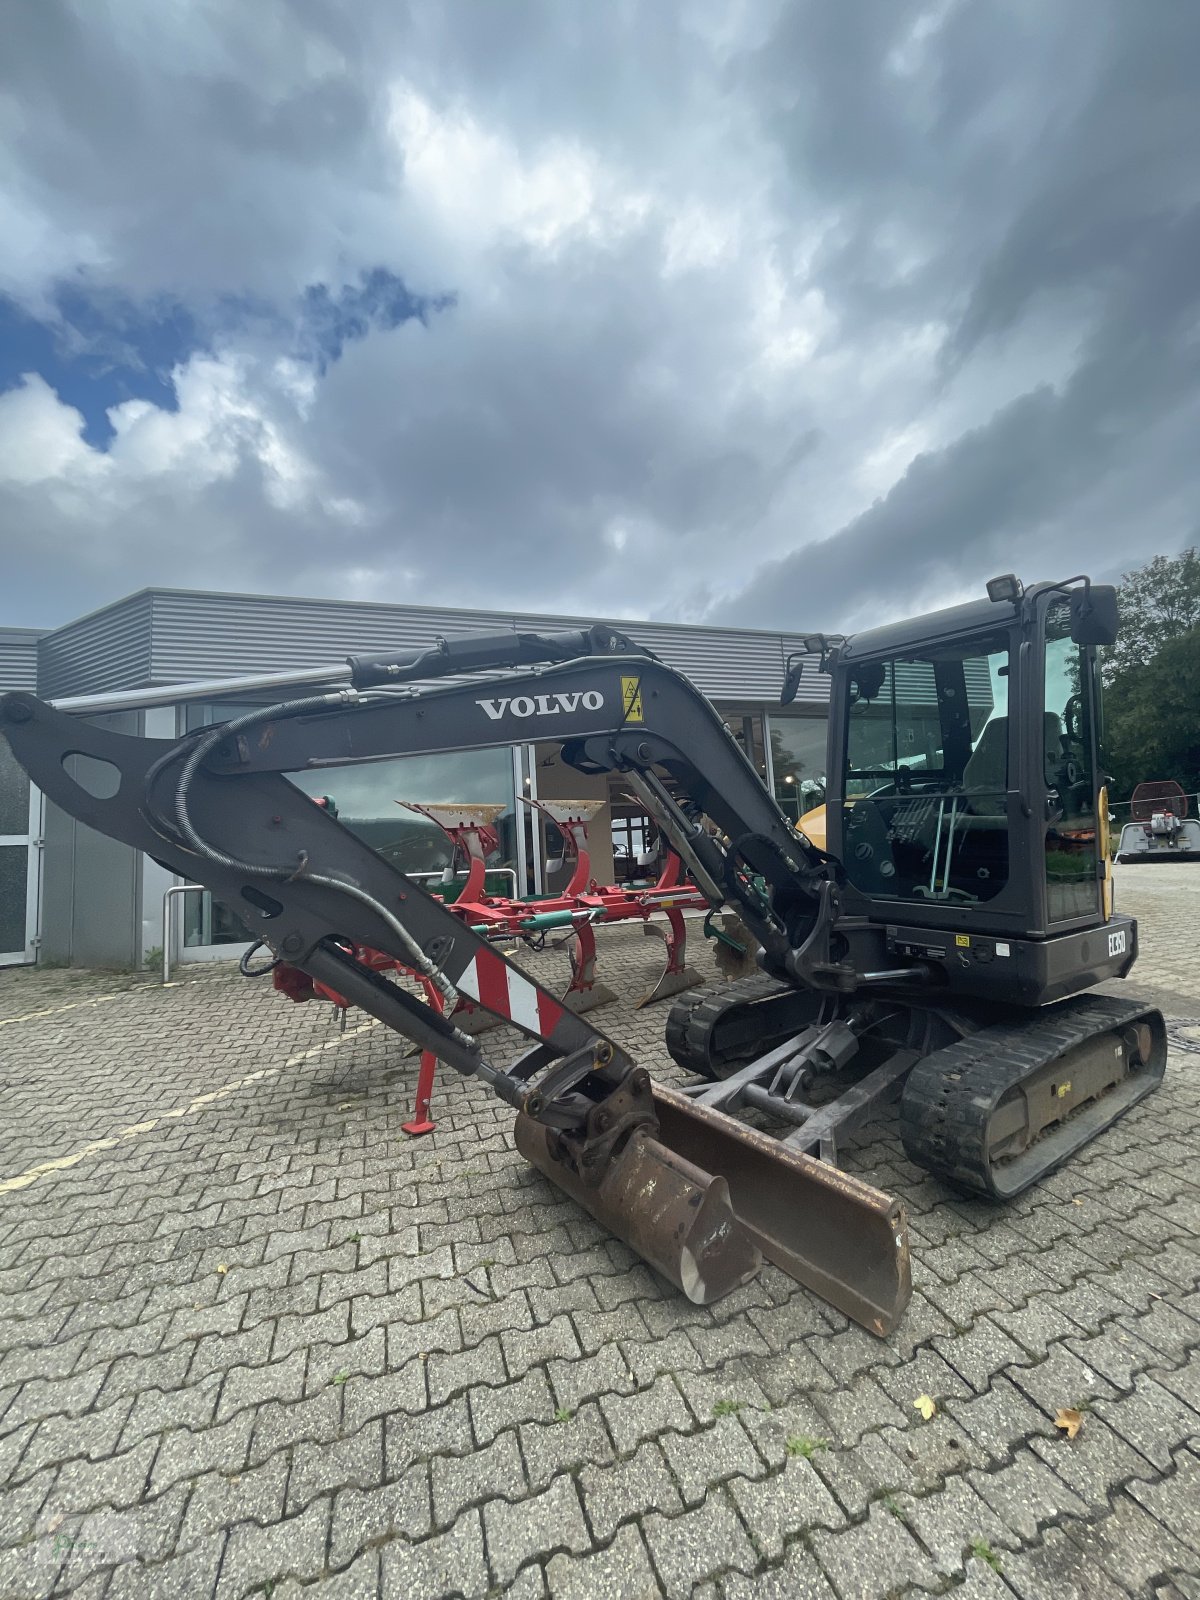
508,993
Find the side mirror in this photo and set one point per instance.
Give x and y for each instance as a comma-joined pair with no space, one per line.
1094,615
791,683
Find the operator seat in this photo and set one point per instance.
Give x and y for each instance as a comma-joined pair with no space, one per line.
985,776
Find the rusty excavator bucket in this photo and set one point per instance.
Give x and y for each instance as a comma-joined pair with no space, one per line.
704,1199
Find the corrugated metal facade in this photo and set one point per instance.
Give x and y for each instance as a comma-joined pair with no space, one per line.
102,652
19,658
163,636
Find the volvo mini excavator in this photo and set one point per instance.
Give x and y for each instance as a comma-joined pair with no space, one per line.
938,953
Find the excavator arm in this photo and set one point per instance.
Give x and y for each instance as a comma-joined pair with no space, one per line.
697,1194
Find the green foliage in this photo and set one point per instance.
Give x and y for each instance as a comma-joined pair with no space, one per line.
983,1550
727,1408
800,1444
1152,694
562,1414
1159,602
1152,718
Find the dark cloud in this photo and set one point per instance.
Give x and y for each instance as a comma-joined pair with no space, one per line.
782,313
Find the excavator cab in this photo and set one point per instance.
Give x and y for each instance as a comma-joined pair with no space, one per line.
966,785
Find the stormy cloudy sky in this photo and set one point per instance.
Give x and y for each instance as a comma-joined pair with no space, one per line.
799,314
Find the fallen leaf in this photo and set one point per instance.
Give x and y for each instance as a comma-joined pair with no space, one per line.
926,1406
1076,1202
1069,1420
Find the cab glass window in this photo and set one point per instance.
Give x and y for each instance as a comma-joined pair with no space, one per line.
927,773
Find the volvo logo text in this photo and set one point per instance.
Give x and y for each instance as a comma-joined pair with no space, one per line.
542,705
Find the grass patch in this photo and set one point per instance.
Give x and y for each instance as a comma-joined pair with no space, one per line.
563,1414
727,1408
984,1551
800,1444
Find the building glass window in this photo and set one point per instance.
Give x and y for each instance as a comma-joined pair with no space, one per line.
369,800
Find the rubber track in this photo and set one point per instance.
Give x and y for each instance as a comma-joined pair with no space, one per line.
949,1097
693,1020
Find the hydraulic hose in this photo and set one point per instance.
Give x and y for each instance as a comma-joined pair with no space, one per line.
414,955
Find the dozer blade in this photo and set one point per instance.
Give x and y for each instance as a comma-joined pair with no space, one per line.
708,1196
676,1217
841,1238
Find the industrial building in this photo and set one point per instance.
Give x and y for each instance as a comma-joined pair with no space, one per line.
68,895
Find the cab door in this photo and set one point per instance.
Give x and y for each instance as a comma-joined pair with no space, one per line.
1073,846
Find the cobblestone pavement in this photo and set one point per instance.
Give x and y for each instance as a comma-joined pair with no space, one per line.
255,1340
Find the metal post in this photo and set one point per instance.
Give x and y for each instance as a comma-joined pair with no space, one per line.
174,889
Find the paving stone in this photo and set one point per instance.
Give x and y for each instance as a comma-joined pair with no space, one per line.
93,1436
861,1405
255,1556
1059,1568
644,1415
687,1549
454,1374
797,1577
525,1350
1093,1464
276,1426
370,1396
252,1386
493,1409
220,1499
1175,1500
364,1517
1000,1419
873,1558
190,1575
620,1572
1026,1495
449,1563
115,1481
788,1503
698,1461
184,1454
146,1531
1152,1420
1131,1546
628,1488
359,1581
460,1481
443,1431
552,1520
576,1381
354,1461
950,1521
981,1353
1105,1288
568,1442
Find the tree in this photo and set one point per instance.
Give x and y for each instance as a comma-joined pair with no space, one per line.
1152,717
1159,602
